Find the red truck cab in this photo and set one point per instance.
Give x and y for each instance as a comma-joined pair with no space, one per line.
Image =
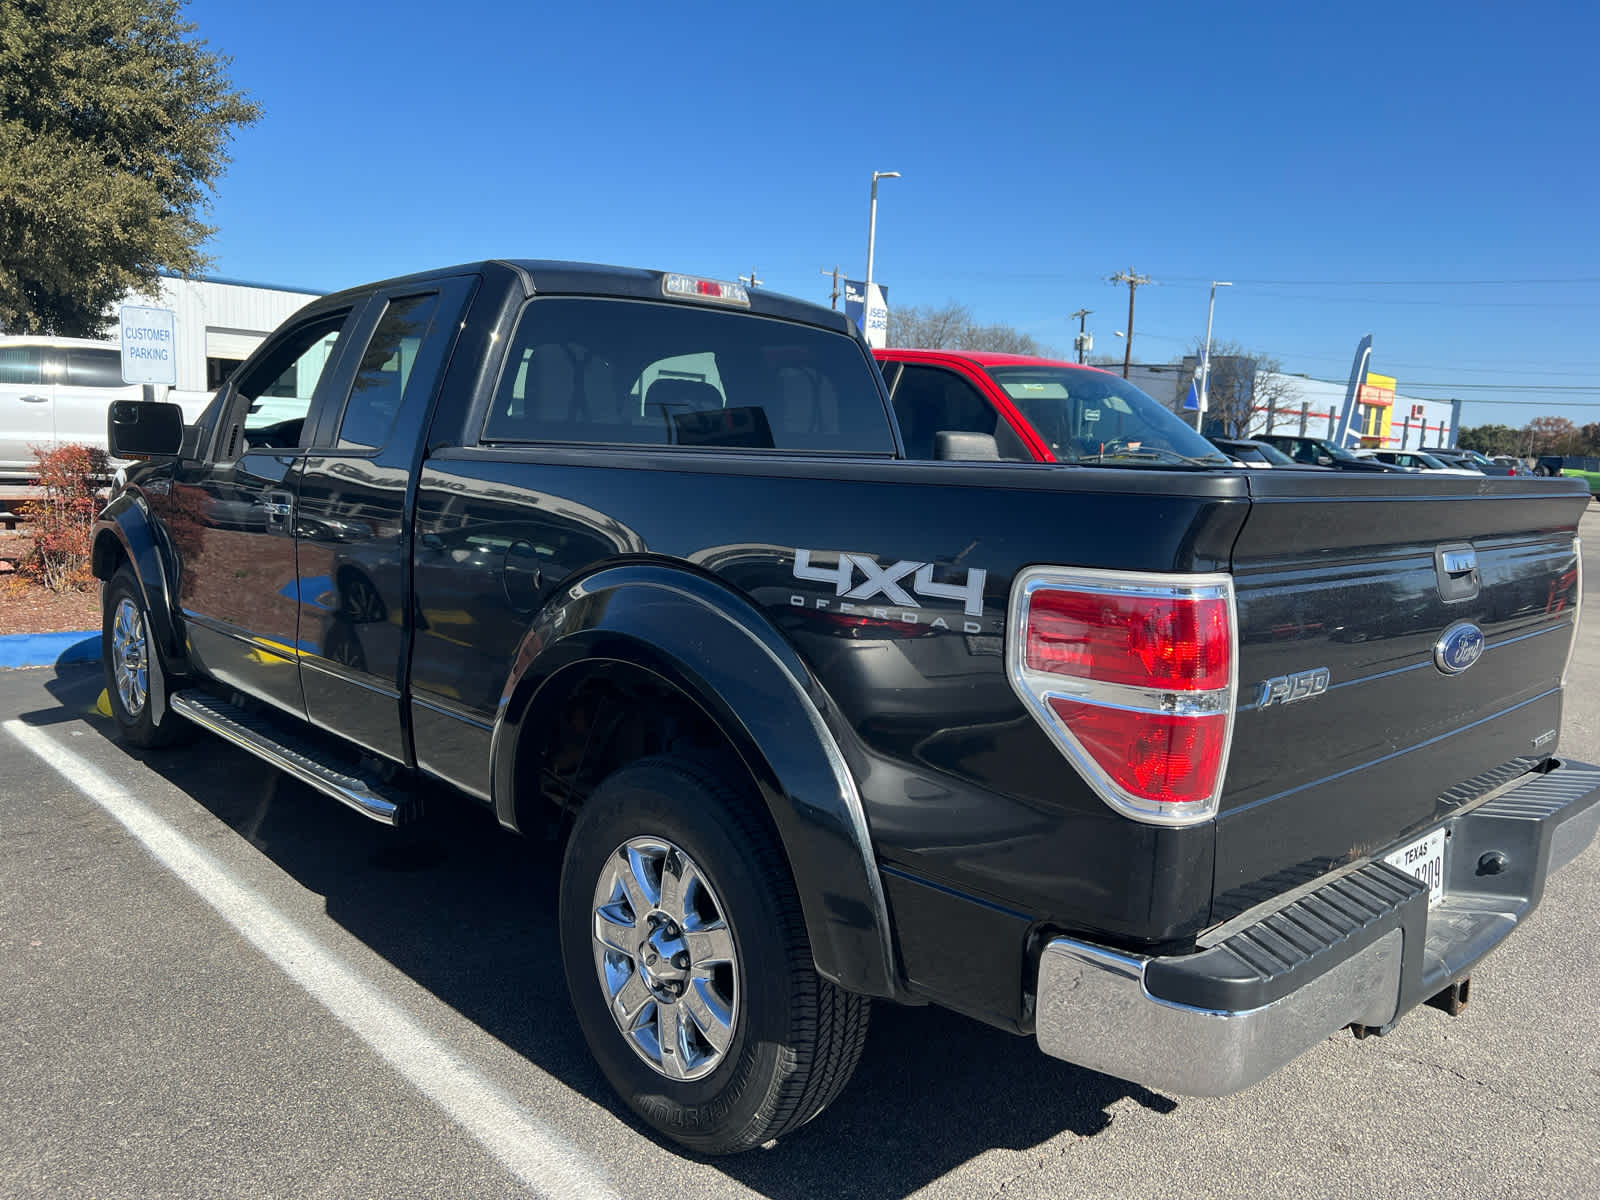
1036,409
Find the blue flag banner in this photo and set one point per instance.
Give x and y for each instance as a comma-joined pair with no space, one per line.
1191,402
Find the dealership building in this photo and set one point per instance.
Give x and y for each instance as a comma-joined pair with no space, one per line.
1310,407
217,323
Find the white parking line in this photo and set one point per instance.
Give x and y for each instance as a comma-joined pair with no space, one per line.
525,1146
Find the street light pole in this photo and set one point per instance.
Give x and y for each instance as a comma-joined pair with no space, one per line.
872,216
1205,358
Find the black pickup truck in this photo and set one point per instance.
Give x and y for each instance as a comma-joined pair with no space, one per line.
1177,768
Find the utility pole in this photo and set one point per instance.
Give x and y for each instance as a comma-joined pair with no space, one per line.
1133,281
1082,341
833,296
750,278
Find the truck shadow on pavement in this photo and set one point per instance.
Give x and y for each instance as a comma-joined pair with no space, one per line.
468,912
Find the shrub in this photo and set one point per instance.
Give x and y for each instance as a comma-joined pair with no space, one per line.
62,521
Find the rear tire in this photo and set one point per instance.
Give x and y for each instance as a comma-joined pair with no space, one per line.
136,680
688,963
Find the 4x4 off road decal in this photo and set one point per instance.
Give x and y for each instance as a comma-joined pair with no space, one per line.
895,584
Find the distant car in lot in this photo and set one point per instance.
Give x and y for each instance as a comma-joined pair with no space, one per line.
1320,452
1549,465
1456,457
1417,460
1248,452
55,391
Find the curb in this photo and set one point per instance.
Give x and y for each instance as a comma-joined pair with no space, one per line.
49,649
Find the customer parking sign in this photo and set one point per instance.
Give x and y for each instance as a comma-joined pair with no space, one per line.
149,347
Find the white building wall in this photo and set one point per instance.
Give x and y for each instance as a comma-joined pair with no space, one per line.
224,319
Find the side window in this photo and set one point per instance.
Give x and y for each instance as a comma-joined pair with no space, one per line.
93,368
930,400
278,388
20,364
385,376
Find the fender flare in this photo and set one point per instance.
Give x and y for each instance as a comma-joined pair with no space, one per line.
126,524
720,651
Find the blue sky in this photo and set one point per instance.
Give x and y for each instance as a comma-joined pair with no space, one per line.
1427,173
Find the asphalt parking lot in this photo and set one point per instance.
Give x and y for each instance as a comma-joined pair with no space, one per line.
214,982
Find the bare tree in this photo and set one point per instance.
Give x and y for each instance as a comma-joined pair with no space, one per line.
1245,386
951,327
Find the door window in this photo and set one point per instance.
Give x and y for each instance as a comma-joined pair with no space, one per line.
20,364
93,368
278,388
930,400
385,377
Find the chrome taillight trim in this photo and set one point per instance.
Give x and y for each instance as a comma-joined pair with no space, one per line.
1035,688
1577,608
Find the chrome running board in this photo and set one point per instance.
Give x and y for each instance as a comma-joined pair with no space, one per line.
261,736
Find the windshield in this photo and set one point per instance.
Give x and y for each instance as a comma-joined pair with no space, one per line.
1095,418
1272,454
1337,453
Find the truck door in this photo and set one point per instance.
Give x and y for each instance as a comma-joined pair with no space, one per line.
351,523
233,509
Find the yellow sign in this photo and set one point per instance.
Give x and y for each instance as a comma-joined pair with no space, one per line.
1378,391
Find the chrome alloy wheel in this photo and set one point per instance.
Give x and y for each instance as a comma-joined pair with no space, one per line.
666,958
130,657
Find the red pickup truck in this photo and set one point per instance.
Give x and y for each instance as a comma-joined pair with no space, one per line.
1019,401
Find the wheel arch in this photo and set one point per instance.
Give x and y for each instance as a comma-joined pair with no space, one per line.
684,648
126,532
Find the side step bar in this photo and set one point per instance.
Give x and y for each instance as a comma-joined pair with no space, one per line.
264,738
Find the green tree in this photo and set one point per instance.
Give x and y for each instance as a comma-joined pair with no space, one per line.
1491,439
114,128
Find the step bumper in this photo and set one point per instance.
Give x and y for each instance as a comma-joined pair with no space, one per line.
1362,948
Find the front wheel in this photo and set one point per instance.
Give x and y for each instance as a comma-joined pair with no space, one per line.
136,684
688,963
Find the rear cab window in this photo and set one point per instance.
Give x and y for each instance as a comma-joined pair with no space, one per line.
645,373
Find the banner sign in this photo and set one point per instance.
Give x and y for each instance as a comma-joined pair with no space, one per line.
868,310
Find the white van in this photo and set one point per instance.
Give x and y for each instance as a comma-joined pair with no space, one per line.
55,391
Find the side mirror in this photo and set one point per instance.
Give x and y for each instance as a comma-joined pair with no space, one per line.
1324,460
144,429
950,444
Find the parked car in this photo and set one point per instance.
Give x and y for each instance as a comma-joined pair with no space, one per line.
1416,460
1457,457
1175,768
1320,452
55,391
1548,466
1248,452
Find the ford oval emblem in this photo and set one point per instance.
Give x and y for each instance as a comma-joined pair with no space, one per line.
1458,648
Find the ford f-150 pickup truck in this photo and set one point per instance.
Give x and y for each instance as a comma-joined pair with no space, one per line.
1175,767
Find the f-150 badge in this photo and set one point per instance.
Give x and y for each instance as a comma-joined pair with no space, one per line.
1291,689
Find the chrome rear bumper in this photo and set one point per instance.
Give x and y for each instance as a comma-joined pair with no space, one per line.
1362,949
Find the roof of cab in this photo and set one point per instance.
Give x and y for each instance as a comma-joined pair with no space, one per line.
986,358
555,277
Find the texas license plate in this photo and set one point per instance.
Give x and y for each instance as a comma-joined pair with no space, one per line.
1423,860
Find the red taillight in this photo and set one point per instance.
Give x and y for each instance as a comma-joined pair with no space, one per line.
1155,756
1144,641
1133,677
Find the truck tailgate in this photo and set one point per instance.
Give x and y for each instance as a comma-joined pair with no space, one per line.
1363,716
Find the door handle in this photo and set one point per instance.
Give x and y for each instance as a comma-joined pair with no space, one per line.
36,399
